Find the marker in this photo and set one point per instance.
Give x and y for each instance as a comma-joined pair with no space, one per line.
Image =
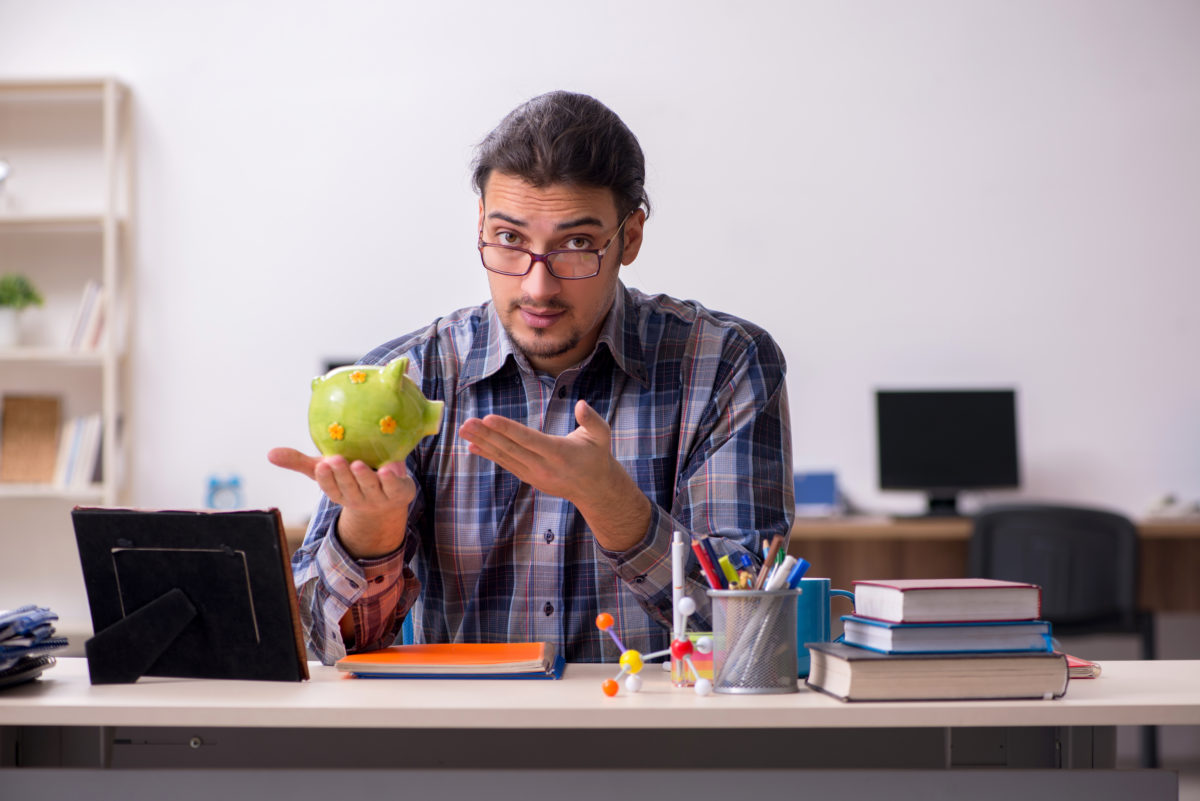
793,579
779,578
727,569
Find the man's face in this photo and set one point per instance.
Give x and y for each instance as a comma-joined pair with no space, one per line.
555,322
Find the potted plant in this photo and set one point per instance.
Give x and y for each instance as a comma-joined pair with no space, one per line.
16,294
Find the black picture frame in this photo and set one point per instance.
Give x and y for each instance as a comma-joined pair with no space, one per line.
189,594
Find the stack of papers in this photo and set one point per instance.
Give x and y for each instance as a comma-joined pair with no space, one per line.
26,642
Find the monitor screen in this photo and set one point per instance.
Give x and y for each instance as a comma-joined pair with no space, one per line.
944,441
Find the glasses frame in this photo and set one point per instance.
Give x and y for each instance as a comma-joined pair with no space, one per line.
544,258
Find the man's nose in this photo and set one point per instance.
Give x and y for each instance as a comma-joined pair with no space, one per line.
539,282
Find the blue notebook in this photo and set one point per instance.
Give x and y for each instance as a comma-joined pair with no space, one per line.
933,638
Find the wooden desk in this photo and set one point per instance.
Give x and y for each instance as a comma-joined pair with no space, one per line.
845,549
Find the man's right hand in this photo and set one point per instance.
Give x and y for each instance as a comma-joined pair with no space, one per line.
374,502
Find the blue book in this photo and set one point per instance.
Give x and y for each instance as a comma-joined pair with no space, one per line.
940,638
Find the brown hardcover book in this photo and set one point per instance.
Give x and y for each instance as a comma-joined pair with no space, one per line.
856,674
29,438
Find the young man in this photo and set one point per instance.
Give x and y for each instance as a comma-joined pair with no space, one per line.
584,423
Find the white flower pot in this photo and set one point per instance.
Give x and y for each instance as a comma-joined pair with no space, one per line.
9,330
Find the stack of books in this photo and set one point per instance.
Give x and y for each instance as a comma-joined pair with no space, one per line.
941,639
27,640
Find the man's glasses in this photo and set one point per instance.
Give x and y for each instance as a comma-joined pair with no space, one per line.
566,264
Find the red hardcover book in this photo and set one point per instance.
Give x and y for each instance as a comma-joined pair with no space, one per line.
946,600
1081,668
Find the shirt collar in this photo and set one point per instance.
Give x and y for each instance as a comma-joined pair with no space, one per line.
491,347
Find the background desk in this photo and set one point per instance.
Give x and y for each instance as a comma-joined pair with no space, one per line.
845,549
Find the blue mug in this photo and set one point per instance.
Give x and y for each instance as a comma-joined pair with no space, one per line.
813,616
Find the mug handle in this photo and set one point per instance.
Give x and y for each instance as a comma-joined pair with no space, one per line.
842,594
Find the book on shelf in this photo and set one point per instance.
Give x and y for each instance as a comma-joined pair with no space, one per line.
987,635
88,322
857,674
532,660
946,600
29,431
78,459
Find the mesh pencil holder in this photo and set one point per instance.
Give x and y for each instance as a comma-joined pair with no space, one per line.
754,641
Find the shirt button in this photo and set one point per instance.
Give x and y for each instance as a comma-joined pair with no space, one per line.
639,579
562,392
549,535
548,609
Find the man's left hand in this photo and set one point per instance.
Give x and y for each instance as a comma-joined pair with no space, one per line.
578,467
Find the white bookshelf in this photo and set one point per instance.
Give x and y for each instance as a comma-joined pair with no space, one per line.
66,218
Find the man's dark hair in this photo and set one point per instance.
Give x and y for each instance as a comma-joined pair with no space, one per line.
566,138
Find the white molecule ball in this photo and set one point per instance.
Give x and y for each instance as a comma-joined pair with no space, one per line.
704,645
687,607
633,682
703,687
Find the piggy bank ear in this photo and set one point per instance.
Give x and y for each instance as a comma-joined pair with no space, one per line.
394,372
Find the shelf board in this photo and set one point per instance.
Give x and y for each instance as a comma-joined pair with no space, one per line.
76,89
53,222
92,492
90,358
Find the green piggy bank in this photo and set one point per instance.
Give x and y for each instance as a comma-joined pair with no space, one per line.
370,412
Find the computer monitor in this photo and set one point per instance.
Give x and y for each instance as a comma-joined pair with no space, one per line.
944,441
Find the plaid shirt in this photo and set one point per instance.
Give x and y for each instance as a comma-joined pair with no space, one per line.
698,409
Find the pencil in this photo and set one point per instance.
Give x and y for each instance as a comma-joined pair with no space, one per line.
776,543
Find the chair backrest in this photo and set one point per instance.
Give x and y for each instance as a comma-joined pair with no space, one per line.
1085,560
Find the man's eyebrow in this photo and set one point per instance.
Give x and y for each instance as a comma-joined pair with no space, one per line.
499,215
562,226
579,222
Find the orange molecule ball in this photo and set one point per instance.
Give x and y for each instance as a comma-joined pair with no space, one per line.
610,687
681,648
604,621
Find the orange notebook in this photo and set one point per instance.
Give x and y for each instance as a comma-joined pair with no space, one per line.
457,660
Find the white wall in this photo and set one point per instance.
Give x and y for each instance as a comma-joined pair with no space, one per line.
928,192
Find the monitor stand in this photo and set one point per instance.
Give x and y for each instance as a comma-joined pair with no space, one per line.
941,506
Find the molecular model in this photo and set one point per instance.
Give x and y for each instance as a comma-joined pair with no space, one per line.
633,661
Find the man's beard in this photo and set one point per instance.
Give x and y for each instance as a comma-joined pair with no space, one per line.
541,346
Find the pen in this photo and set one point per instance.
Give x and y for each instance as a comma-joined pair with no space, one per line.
678,555
710,572
793,579
776,543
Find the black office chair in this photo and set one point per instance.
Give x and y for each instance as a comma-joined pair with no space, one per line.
1085,561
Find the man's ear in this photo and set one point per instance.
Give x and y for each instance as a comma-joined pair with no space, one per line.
479,225
633,235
